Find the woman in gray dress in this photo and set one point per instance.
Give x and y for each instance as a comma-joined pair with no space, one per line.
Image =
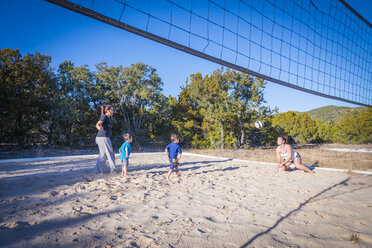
106,152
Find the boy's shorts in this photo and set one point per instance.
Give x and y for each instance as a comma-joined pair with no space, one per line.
173,163
125,162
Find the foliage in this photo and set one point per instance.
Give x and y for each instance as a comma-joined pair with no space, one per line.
72,105
26,85
299,126
135,91
218,109
328,114
355,128
40,105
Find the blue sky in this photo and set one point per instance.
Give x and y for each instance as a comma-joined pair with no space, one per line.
65,35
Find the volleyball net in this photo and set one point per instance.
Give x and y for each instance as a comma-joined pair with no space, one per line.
320,47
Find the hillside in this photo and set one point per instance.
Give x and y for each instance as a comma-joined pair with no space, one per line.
330,113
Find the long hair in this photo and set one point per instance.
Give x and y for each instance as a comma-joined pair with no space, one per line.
104,109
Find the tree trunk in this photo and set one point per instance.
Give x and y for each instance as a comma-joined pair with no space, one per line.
50,134
242,137
222,138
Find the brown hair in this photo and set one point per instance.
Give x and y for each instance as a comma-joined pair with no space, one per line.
127,136
104,109
284,138
174,137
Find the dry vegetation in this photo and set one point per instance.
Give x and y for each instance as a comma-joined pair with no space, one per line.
312,155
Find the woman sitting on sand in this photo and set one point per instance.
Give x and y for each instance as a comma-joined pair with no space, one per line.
288,155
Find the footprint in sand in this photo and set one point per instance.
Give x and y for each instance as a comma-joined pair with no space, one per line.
54,193
113,197
15,225
81,214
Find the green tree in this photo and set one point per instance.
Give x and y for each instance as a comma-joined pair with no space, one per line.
26,86
246,106
161,116
355,128
326,131
187,119
218,109
72,116
134,91
300,126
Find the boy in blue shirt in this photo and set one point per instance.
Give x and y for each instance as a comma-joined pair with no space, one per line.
173,151
124,151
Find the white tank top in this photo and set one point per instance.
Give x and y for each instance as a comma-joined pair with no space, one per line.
285,155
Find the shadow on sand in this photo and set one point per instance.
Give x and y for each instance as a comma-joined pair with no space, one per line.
311,199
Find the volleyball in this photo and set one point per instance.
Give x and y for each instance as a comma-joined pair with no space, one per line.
259,124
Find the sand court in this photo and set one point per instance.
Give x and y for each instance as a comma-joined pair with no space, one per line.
215,203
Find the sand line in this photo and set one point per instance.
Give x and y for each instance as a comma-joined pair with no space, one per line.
346,150
18,160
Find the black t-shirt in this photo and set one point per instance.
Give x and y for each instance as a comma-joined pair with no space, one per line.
107,125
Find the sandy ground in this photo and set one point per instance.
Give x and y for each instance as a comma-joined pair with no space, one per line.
215,203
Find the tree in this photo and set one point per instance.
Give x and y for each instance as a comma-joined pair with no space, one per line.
26,86
300,126
187,118
161,116
217,110
72,116
355,128
246,98
326,131
134,90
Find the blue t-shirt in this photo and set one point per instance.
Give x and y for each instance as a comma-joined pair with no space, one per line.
122,150
107,125
174,149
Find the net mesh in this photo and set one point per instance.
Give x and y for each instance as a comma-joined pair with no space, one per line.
320,47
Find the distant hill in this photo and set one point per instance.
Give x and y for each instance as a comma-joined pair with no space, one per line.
331,113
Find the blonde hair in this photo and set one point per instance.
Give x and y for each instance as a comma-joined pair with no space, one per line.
127,136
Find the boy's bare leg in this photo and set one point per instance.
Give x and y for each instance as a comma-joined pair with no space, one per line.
169,173
124,172
178,171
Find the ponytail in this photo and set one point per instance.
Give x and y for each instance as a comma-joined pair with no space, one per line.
284,138
104,109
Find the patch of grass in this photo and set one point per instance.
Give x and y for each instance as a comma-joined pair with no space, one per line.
355,238
163,223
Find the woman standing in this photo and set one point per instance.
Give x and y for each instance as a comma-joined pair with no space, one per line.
286,156
106,152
